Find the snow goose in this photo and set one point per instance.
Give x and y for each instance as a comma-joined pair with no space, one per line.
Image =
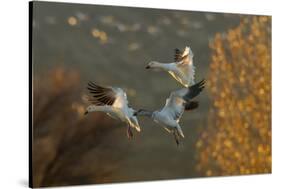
182,69
179,101
112,101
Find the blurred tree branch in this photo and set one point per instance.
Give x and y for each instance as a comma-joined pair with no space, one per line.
63,137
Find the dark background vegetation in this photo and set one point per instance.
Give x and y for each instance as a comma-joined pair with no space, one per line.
74,44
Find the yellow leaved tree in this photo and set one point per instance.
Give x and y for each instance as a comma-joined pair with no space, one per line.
237,138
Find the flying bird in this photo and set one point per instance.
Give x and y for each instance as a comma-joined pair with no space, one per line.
182,69
112,101
178,102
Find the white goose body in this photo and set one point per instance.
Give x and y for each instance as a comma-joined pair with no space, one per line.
112,101
182,69
178,101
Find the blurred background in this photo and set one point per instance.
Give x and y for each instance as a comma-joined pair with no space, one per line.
229,134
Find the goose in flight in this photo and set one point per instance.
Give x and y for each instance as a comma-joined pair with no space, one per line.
182,69
112,101
179,101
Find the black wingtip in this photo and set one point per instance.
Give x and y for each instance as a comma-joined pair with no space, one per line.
194,90
200,84
92,84
191,105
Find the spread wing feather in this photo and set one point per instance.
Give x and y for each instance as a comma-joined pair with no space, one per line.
111,96
194,90
101,95
183,56
178,55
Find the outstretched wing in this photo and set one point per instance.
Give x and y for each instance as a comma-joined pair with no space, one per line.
184,56
180,100
178,55
111,96
192,91
185,66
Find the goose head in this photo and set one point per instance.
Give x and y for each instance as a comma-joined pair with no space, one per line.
137,112
142,112
89,109
152,64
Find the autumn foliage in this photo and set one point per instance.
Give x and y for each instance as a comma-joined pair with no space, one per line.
237,139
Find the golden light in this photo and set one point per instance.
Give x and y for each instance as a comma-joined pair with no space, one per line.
72,21
101,35
237,139
152,30
95,32
133,46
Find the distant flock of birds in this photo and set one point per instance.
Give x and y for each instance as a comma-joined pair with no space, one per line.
113,101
